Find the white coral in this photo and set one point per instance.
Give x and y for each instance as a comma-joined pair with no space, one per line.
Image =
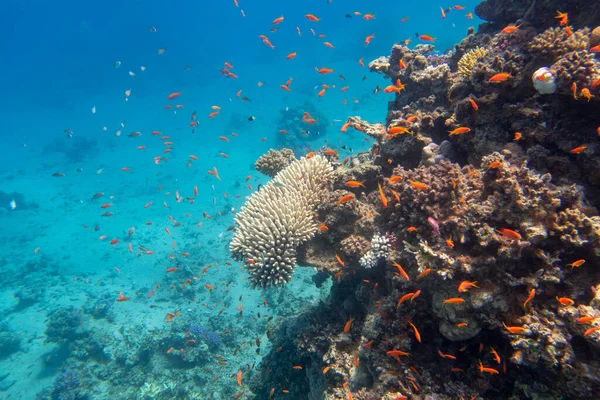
279,218
380,249
544,81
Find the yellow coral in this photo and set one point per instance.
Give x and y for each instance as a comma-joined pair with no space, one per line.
469,59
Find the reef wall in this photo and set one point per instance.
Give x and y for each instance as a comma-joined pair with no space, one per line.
463,245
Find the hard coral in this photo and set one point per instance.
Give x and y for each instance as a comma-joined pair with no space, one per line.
274,161
556,42
579,67
279,218
469,59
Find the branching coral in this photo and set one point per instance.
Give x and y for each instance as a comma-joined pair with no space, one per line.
556,42
274,161
279,218
469,59
380,250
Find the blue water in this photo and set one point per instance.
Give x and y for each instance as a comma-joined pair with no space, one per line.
59,63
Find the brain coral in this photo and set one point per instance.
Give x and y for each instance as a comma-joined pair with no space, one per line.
278,218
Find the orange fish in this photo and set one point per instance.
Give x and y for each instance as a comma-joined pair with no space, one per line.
473,104
339,260
529,298
239,377
425,272
563,18
565,301
328,45
577,263
418,185
591,330
401,271
499,78
460,131
514,329
509,234
450,356
395,178
348,325
291,56
398,130
510,29
172,269
464,286
311,17
345,198
396,353
215,173
368,17
426,38
518,136
417,334
487,370
585,320
355,184
278,20
324,71
454,300
173,95
122,297
384,201
578,150
368,39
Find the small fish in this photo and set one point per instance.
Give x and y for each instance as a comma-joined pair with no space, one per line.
565,301
578,150
355,184
454,300
577,263
459,131
348,325
499,78
12,204
434,225
529,298
419,185
464,286
345,198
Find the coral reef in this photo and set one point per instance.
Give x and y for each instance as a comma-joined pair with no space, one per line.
279,218
504,229
539,14
64,324
274,161
9,342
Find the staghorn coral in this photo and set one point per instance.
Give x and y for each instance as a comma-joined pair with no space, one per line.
470,59
278,218
274,161
556,42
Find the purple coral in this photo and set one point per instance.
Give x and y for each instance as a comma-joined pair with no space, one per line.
212,339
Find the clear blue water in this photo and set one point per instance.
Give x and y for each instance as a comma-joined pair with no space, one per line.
59,63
